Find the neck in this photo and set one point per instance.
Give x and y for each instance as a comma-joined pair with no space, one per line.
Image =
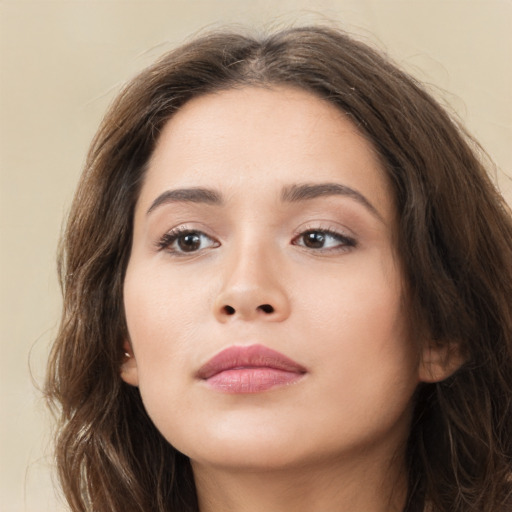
330,486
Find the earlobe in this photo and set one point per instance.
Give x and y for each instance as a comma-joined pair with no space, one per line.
439,361
129,370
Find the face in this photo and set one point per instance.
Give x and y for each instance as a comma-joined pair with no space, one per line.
263,296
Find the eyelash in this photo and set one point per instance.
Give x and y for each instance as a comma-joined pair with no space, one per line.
166,242
173,236
345,242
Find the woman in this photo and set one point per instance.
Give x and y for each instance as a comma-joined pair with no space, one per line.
287,283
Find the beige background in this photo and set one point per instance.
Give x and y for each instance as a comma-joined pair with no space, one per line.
61,64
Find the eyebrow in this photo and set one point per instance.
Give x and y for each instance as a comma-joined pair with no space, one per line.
289,194
305,192
187,195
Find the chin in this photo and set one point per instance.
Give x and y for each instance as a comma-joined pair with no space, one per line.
250,457
244,448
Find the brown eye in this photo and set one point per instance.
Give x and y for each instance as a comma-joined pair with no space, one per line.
313,239
189,242
186,241
321,239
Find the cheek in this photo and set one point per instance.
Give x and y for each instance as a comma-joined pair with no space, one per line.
163,315
162,325
163,300
361,342
361,304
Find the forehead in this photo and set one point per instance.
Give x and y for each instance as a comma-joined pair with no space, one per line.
255,135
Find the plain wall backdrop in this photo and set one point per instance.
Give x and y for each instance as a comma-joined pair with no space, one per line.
61,64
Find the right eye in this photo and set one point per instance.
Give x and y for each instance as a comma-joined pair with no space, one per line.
186,241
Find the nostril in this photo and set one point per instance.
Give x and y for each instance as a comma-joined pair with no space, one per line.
266,308
229,310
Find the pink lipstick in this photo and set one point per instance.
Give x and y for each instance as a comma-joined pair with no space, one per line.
251,369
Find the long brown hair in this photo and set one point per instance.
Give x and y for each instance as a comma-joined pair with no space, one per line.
455,240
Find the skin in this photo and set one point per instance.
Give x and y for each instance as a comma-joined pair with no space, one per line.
335,439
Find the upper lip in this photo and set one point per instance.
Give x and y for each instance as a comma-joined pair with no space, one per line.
252,356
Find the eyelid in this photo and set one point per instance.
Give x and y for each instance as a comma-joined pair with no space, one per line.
328,226
347,238
164,242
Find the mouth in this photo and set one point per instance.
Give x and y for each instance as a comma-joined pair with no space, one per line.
251,369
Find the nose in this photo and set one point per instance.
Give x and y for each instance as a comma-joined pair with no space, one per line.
252,289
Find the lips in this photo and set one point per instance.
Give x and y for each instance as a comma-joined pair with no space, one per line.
250,369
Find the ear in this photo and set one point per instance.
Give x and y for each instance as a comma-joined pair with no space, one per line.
129,370
439,360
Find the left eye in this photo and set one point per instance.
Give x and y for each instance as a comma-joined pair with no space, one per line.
321,239
186,241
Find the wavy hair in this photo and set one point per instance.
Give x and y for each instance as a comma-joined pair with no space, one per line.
454,237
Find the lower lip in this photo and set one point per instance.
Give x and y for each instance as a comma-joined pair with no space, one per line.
252,380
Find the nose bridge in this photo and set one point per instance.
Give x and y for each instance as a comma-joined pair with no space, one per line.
251,285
